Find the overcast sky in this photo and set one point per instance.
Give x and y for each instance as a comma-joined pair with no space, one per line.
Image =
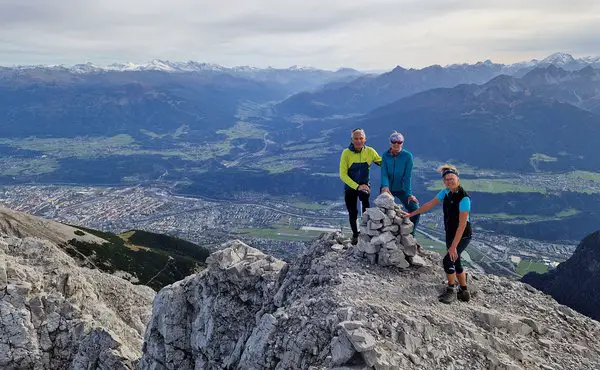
364,34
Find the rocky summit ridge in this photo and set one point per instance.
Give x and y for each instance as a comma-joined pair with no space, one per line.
335,307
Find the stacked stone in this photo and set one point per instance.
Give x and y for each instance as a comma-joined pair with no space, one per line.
385,236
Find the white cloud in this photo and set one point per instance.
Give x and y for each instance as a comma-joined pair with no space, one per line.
321,33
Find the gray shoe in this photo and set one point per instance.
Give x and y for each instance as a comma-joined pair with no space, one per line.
463,295
449,296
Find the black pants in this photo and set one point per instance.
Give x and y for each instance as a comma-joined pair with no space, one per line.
456,266
350,196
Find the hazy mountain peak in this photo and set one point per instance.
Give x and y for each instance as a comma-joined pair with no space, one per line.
559,59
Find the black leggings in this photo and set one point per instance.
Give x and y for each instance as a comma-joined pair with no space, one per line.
456,266
350,196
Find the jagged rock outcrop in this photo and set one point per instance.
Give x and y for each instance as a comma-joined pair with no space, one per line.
575,282
57,315
331,309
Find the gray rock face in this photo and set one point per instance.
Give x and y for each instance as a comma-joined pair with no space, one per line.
223,317
331,309
57,315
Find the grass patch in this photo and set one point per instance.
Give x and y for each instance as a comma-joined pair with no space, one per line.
243,130
309,206
95,147
281,233
567,213
540,157
151,134
302,147
27,166
279,166
79,147
526,266
476,255
507,216
492,186
528,218
423,240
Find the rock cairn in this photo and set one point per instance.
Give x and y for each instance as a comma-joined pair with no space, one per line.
385,236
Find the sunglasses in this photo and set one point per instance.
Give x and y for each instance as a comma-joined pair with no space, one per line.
397,142
357,129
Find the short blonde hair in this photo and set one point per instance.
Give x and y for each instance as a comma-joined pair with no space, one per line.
445,167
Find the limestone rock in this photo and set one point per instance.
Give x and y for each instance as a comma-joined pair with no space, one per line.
408,240
383,238
372,225
375,214
342,350
385,200
392,228
417,261
387,222
406,228
57,315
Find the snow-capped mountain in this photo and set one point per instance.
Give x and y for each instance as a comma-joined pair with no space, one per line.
562,60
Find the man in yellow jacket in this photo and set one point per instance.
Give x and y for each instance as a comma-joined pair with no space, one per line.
355,163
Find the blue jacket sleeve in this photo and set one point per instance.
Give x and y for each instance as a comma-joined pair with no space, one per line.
385,181
407,177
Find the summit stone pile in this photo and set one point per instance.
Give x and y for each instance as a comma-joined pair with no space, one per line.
385,236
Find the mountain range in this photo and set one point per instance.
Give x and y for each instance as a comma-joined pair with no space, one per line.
369,92
203,130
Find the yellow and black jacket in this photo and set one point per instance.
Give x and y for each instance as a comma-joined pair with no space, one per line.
354,166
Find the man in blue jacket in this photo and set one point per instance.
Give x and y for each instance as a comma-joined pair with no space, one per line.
396,175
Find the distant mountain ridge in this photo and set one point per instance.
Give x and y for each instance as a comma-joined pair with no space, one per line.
372,91
559,59
174,66
517,117
294,78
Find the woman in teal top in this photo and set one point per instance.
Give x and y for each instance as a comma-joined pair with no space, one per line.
396,175
457,224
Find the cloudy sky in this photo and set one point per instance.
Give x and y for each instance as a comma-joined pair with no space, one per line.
365,34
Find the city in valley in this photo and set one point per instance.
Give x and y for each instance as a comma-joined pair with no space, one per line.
280,226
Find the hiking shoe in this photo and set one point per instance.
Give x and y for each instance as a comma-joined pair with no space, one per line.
354,239
463,295
449,296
